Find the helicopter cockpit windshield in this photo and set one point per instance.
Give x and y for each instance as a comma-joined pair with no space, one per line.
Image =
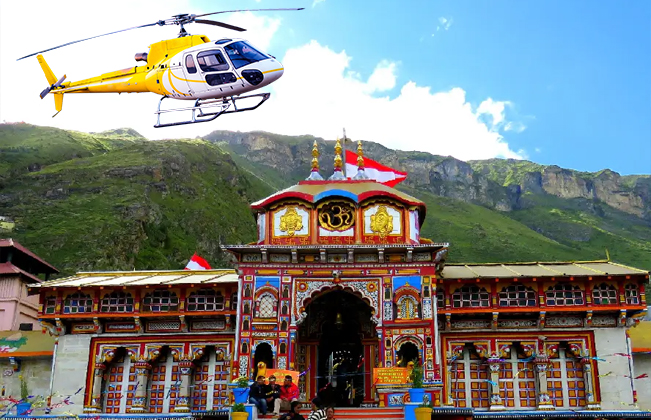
241,54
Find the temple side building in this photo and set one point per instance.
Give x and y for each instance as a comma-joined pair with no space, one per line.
339,283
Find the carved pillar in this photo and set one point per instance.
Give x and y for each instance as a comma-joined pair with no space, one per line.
497,404
183,397
95,405
542,366
592,403
139,404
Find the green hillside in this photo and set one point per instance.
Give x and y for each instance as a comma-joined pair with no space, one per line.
116,201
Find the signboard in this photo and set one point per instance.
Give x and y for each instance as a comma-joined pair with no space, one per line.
392,375
280,375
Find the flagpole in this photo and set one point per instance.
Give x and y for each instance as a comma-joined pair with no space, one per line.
344,147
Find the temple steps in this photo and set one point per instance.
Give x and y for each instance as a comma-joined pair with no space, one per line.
358,413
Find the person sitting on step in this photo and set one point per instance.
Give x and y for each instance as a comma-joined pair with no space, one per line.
257,395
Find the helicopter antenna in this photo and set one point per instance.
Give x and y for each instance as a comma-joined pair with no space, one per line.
180,20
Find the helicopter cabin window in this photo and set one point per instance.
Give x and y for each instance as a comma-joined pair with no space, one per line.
189,64
212,60
215,79
242,54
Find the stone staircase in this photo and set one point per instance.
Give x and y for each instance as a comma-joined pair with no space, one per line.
361,413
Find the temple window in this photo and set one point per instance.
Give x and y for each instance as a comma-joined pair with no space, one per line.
632,294
205,300
117,302
518,380
470,297
469,381
564,294
407,307
565,381
77,303
604,294
50,305
160,301
517,295
234,302
267,306
440,298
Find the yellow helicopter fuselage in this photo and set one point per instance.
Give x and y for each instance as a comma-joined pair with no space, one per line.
168,72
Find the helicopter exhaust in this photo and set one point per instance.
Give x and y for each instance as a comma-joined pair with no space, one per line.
141,57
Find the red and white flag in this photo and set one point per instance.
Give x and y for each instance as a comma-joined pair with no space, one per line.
197,263
374,170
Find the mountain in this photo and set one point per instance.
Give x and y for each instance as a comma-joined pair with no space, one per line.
116,201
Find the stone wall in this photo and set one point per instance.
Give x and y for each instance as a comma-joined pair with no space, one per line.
641,365
616,393
70,370
35,370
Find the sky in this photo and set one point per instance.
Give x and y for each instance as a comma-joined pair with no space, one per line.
551,81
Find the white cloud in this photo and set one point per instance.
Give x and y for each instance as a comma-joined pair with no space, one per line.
383,77
515,126
538,150
444,24
311,98
315,2
441,123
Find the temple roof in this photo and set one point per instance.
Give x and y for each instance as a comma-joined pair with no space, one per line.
8,268
24,258
538,269
141,278
358,191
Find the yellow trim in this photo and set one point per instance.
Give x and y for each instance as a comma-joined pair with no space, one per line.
188,80
271,71
169,77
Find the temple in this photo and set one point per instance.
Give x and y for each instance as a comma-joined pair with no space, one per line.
341,287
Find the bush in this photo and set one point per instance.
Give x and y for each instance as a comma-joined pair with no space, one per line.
417,375
24,390
239,408
242,382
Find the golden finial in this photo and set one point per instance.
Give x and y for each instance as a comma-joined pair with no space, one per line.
338,175
361,174
315,157
314,174
338,161
360,155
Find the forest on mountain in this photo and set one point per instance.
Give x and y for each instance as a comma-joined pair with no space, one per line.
117,201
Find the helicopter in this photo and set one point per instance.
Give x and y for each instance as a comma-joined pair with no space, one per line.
215,75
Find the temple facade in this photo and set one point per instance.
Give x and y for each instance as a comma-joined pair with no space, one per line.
339,285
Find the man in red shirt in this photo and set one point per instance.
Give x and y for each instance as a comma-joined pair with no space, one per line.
288,392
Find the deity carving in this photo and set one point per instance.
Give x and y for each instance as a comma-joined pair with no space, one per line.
382,222
337,216
291,221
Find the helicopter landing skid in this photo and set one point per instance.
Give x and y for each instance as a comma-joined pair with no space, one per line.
205,110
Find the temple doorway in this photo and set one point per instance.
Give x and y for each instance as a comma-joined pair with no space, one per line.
339,326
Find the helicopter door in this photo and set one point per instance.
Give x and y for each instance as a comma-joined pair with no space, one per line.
191,76
216,73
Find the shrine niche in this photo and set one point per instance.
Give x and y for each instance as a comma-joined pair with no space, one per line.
290,221
336,218
383,223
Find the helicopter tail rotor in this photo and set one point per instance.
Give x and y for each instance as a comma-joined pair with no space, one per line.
54,83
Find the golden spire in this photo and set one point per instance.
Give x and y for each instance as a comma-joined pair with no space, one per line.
315,175
338,174
361,174
315,157
338,160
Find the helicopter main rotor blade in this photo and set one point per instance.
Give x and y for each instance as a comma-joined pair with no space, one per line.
247,10
92,37
223,25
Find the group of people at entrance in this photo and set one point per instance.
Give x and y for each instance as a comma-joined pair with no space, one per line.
273,395
285,398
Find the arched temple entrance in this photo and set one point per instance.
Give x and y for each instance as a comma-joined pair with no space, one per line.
339,329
